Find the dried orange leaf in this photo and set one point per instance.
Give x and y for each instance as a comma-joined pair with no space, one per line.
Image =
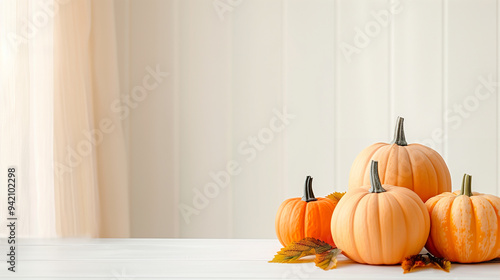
335,196
412,262
327,260
298,249
440,263
423,260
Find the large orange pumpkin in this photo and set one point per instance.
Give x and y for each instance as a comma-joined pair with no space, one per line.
380,224
465,225
298,218
416,167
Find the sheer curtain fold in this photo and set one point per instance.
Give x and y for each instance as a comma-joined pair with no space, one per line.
92,197
75,157
26,109
111,153
57,87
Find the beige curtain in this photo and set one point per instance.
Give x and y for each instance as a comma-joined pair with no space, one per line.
91,186
59,81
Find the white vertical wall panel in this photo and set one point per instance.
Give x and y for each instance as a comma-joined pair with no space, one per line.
362,92
204,121
417,72
498,99
309,93
339,67
472,119
256,92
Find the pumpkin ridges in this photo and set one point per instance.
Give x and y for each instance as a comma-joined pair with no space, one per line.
283,212
404,171
416,211
278,221
297,217
434,177
315,217
482,208
387,235
355,178
383,163
396,168
389,173
380,245
429,245
443,176
495,203
329,220
347,203
359,223
428,189
462,221
471,230
441,216
422,173
476,230
362,222
287,210
437,158
413,166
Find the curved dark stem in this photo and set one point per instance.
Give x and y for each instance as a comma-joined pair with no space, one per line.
466,185
376,186
308,191
399,133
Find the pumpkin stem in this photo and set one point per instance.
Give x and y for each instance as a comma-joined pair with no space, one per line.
399,133
375,179
466,185
308,191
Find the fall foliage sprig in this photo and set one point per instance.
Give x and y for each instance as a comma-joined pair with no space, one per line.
423,260
326,255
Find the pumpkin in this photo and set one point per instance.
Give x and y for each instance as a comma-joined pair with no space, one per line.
380,224
416,167
298,218
465,225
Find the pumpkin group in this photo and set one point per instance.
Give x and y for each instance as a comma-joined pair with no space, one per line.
465,225
416,167
380,224
298,218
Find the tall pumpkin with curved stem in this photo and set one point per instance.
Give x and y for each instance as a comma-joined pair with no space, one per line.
465,225
413,166
380,224
298,218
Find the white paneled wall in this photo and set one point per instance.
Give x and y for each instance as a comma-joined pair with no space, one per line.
211,155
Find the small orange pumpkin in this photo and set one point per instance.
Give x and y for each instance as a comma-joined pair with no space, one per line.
380,224
465,225
416,167
298,218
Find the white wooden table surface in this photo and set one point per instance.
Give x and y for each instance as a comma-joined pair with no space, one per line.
195,259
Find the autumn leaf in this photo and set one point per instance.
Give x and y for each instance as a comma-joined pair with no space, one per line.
412,262
335,196
298,249
440,263
327,260
421,260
